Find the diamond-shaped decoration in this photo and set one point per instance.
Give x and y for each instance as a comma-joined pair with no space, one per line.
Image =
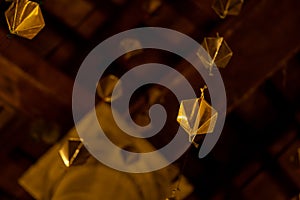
219,53
73,151
196,116
227,7
106,86
24,18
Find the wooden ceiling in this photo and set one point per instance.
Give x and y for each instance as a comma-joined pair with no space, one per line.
262,85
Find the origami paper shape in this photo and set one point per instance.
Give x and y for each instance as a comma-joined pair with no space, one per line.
24,18
70,151
196,116
219,53
227,7
106,87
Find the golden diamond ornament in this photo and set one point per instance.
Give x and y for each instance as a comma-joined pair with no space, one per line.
24,18
196,116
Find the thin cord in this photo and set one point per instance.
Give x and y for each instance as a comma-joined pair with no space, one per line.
186,156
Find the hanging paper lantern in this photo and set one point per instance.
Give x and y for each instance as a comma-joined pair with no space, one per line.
132,46
24,18
196,116
219,53
227,7
70,150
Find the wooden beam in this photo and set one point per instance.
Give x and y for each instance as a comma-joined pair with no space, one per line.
28,66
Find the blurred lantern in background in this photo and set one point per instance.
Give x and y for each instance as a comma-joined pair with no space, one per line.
132,46
24,18
219,53
227,7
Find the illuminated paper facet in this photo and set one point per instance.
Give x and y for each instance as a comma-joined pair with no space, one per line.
227,7
106,87
219,53
196,116
24,18
70,150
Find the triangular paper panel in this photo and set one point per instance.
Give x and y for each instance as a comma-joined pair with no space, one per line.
227,7
70,150
24,18
196,116
207,112
186,115
218,52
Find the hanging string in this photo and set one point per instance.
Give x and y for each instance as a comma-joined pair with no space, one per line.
186,156
180,176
